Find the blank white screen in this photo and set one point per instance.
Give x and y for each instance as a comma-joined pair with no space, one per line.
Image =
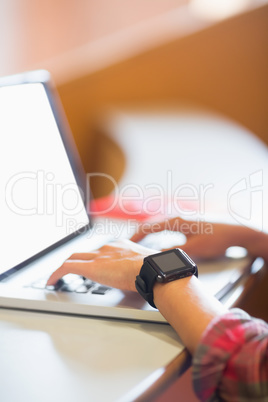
40,203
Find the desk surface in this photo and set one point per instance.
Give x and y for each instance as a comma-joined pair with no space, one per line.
48,357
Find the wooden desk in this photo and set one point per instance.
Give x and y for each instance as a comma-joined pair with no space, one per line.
46,357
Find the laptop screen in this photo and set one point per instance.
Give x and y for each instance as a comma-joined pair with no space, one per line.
40,202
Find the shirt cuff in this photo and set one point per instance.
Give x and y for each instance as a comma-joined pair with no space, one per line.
222,340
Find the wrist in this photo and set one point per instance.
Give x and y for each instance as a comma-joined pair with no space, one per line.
134,272
163,267
164,292
188,307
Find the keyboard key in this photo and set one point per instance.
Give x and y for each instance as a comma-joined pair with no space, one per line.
70,278
69,287
100,290
72,283
87,285
83,289
57,285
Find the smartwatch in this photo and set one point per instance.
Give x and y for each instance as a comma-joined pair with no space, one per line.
163,267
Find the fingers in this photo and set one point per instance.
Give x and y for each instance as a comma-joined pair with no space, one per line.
106,265
83,256
115,265
74,267
76,264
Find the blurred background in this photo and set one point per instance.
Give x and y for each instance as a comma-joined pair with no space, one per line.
114,54
141,71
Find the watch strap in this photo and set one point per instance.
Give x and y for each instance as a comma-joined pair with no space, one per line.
145,282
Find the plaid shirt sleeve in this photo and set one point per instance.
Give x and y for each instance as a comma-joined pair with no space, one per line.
231,362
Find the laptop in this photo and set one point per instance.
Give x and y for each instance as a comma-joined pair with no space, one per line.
44,217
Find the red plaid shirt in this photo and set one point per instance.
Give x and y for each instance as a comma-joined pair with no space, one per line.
231,362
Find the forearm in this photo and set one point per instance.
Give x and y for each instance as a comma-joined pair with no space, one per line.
188,308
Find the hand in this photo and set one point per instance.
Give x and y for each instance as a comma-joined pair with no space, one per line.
203,239
116,264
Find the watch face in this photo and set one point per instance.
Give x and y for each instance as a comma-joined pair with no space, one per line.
172,261
168,262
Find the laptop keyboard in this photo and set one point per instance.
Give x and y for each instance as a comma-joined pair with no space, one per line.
72,283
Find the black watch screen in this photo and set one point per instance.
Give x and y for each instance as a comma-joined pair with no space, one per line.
168,262
171,263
